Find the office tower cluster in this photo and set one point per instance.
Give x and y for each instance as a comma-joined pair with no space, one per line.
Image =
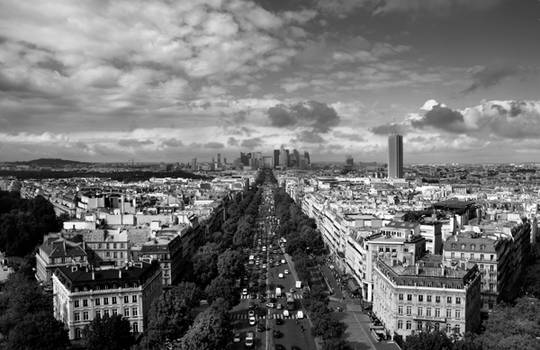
280,159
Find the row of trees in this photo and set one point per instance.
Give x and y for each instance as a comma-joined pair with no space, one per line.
175,318
24,222
305,245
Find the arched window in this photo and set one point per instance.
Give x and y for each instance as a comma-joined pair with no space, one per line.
135,327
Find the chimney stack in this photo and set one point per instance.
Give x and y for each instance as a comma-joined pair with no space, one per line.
93,275
417,268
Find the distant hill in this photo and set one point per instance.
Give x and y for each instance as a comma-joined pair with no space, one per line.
52,162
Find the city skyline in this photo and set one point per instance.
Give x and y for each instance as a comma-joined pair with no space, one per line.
172,81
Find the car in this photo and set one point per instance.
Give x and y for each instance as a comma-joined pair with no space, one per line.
236,338
270,305
281,275
292,290
249,339
252,321
277,334
285,313
279,347
300,314
279,306
277,263
286,272
251,313
260,328
244,291
279,321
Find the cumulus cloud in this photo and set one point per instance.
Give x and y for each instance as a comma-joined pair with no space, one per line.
134,143
444,118
317,116
389,128
307,136
485,77
232,142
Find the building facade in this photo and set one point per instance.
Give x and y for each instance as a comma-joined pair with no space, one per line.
82,294
395,156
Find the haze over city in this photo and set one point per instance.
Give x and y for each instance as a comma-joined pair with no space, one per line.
171,80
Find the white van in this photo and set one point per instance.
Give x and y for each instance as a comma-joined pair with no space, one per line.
300,314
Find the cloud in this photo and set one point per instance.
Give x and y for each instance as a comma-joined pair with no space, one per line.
317,116
444,118
172,143
486,77
389,128
252,143
232,142
214,145
355,137
307,136
134,143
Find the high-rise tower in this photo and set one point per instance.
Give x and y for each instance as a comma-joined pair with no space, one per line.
395,156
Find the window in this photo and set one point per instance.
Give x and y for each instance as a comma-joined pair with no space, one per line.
481,256
105,301
400,324
135,327
76,303
115,312
462,255
458,313
106,313
463,247
437,312
449,300
428,312
448,313
126,299
97,301
400,296
448,328
121,255
473,246
421,298
437,299
454,246
85,316
77,333
409,311
115,255
134,312
491,268
114,245
419,325
482,247
457,329
458,300
409,325
452,255
108,254
491,287
113,301
471,256
436,326
429,298
126,312
76,316
409,297
85,302
98,314
491,257
420,311
400,310
134,298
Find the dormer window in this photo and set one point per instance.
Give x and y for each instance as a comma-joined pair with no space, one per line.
473,246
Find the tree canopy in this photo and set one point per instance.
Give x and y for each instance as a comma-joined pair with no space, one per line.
108,333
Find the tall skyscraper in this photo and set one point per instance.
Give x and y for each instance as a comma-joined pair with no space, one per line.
283,157
395,156
219,159
276,158
295,162
308,160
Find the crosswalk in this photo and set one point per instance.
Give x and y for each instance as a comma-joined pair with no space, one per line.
244,316
295,296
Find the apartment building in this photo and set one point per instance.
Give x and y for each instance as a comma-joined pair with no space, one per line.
110,246
414,298
57,251
82,294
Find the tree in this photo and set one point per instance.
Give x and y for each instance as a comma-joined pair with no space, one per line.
328,328
222,287
211,329
230,264
205,263
108,333
170,315
335,344
38,331
435,340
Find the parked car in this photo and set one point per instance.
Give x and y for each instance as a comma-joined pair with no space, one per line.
276,333
244,291
236,338
252,321
270,305
286,272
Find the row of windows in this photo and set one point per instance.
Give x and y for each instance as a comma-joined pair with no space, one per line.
471,256
97,301
420,312
114,255
421,325
429,298
463,246
134,329
106,312
108,245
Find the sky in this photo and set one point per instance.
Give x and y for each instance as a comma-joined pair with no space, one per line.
164,80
